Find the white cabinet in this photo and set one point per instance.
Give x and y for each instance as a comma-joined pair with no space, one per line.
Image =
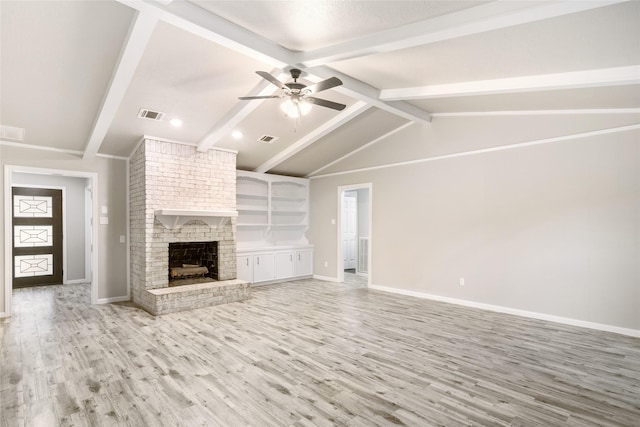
244,265
285,265
280,264
263,267
304,262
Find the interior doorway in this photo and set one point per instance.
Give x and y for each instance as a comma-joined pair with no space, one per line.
80,238
354,234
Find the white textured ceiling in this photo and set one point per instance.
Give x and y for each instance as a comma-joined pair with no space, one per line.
74,74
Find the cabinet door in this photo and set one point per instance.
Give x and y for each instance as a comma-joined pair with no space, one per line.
284,264
244,266
304,262
263,267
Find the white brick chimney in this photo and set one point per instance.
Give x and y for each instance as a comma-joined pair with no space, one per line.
166,178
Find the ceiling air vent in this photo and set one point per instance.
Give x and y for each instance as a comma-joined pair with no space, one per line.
267,139
150,114
10,132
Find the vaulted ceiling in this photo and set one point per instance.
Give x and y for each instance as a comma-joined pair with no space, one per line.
75,74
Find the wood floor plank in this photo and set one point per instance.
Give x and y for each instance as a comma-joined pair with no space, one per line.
307,353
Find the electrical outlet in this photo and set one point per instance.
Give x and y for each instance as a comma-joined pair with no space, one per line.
123,239
462,281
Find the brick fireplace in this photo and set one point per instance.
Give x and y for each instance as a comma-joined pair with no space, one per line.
180,195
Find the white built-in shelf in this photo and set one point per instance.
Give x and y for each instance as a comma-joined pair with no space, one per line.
252,196
272,209
250,210
176,218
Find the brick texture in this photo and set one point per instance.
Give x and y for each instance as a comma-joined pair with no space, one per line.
166,175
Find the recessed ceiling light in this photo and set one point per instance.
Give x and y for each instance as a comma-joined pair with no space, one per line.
236,134
175,122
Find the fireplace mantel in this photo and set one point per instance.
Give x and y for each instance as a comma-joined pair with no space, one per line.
176,218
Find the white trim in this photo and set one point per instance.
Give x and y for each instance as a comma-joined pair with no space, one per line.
486,150
539,112
64,221
514,311
343,117
130,56
8,251
340,260
112,299
617,76
40,147
57,150
112,156
127,231
367,145
325,278
8,181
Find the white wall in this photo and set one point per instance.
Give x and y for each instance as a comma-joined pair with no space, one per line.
551,229
112,192
74,238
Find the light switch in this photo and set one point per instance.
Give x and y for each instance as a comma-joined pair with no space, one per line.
104,210
333,221
123,239
104,220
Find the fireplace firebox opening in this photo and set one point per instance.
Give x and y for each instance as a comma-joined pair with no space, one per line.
192,262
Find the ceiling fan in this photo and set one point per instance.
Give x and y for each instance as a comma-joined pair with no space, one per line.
298,100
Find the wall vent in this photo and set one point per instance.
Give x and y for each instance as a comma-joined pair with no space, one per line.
10,132
145,113
269,139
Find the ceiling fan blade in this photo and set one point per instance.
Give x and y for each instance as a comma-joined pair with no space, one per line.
271,79
245,98
323,85
325,103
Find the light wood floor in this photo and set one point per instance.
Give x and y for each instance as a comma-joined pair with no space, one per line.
303,354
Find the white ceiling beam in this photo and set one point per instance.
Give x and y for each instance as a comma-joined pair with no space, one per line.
198,21
479,19
348,114
220,31
572,80
130,57
239,112
364,92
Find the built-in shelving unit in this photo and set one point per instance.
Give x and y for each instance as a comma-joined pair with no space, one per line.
273,217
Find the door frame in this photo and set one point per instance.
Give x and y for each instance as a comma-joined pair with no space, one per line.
9,170
340,259
64,223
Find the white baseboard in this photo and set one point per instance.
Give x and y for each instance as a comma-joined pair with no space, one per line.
507,310
77,281
113,299
325,278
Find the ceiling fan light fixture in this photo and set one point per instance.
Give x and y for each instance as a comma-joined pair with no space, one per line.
290,107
